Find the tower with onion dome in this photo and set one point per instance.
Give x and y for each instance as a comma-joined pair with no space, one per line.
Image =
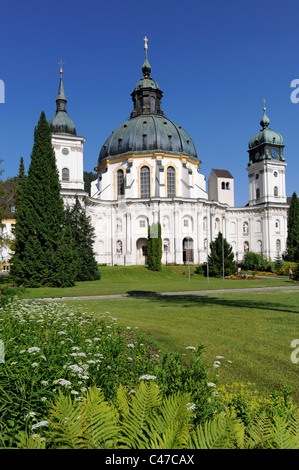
68,147
266,166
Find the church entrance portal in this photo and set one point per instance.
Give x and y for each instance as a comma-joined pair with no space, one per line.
188,256
141,246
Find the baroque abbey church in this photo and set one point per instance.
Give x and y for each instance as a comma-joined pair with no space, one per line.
148,171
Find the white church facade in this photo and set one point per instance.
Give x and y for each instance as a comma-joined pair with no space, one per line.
148,171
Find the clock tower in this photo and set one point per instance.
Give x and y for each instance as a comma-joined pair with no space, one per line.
266,166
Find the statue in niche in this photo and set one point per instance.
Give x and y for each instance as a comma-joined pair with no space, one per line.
118,225
165,223
119,247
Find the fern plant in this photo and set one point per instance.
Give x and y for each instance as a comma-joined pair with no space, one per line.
146,419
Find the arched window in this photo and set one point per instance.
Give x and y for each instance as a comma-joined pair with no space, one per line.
277,225
258,193
223,185
227,186
278,246
65,174
275,191
145,182
170,181
120,183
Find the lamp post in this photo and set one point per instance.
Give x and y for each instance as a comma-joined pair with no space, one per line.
166,250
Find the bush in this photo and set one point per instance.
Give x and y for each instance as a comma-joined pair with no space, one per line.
249,404
201,269
296,273
284,270
256,262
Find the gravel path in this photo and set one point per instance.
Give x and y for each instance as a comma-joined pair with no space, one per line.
156,294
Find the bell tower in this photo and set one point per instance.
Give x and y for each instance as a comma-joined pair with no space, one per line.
266,166
68,148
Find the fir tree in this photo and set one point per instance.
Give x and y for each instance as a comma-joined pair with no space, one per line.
221,257
154,247
293,230
83,234
40,217
278,262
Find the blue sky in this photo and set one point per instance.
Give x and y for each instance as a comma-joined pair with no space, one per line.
215,62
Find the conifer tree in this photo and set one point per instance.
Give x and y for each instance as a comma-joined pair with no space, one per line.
154,247
293,230
83,234
278,262
221,257
40,218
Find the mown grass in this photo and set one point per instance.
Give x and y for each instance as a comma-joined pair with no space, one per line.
254,332
128,279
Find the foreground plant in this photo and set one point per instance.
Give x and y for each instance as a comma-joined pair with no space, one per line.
148,420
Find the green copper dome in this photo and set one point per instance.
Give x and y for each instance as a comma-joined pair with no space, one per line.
148,133
265,135
61,123
147,130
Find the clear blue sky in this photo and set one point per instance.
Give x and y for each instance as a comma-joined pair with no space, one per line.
214,61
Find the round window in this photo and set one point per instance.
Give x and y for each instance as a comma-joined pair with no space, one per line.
65,151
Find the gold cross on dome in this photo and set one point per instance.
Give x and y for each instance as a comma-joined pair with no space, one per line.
61,64
145,43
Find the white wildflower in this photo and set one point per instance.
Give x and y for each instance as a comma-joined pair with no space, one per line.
191,347
40,424
147,377
63,382
32,350
130,345
211,384
191,406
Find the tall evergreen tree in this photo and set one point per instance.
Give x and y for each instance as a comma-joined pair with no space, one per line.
89,177
40,218
83,234
293,230
154,247
221,257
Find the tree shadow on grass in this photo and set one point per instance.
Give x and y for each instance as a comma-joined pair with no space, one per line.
188,301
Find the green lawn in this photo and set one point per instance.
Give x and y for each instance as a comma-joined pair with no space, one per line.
252,331
130,279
